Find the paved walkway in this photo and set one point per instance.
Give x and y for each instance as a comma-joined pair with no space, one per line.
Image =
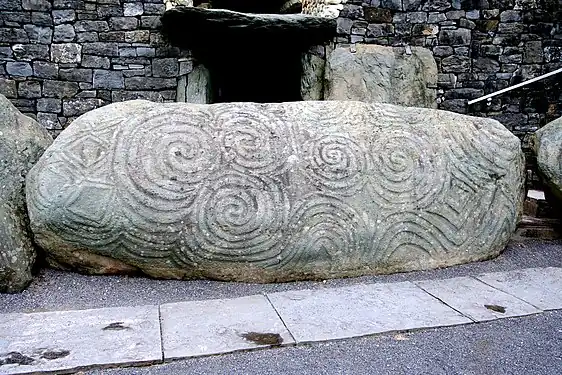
68,340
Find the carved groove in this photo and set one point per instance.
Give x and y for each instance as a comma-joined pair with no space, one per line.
294,190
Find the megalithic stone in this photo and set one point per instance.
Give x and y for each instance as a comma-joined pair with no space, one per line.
275,192
547,146
22,141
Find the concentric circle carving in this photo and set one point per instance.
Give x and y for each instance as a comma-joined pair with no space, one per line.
325,113
253,141
337,163
238,218
161,160
323,228
408,168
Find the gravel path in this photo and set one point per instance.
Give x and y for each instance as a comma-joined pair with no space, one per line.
56,290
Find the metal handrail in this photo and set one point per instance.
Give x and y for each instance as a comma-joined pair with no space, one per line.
515,86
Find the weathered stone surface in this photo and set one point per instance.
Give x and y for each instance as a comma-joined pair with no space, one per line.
29,89
64,33
182,27
60,89
198,86
44,69
76,107
108,79
382,74
63,15
66,52
270,192
17,68
167,67
61,342
38,34
8,88
547,145
312,78
30,52
22,141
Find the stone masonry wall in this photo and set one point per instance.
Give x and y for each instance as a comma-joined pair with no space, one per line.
480,46
62,58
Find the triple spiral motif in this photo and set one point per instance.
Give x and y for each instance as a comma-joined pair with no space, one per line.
277,186
162,159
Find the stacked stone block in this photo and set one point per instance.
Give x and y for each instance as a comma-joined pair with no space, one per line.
480,46
62,58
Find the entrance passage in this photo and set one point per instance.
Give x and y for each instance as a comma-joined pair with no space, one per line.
261,74
250,57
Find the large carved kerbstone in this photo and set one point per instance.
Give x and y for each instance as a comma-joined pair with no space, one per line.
270,192
22,141
548,149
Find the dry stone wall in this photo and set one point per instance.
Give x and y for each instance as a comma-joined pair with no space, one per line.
62,58
480,46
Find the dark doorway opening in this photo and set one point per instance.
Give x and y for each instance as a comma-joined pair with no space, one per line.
255,75
250,57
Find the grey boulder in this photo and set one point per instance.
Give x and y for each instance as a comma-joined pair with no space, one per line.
373,73
22,141
274,192
547,145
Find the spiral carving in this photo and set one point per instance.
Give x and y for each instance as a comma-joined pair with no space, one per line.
253,141
161,160
408,168
337,163
275,192
324,228
238,218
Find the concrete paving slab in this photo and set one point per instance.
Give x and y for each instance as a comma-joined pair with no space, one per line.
475,299
66,340
541,287
220,326
317,315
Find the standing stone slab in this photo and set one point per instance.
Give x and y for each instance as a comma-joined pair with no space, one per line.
22,141
275,192
199,328
547,145
66,340
374,73
475,299
541,287
329,314
198,86
312,77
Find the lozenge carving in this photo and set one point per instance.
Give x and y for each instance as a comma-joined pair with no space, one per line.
274,192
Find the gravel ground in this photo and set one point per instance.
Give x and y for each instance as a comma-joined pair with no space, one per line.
520,346
56,290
